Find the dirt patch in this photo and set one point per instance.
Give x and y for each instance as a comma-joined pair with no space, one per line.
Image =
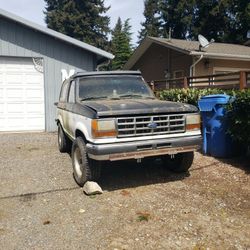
144,206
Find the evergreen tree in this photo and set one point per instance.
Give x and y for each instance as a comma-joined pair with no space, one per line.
223,20
152,25
212,19
121,44
127,30
84,20
239,11
177,16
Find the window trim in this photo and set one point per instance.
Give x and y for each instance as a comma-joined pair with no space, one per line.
228,69
178,71
78,80
66,86
71,82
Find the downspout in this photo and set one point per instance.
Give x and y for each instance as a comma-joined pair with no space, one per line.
193,65
106,63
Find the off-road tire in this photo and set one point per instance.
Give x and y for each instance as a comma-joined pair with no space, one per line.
178,163
64,143
84,168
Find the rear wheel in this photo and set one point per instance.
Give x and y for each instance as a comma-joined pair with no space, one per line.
84,168
180,162
64,142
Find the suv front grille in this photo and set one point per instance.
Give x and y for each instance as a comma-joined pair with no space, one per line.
150,125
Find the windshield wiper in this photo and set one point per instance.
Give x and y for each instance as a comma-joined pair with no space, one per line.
135,95
115,97
93,98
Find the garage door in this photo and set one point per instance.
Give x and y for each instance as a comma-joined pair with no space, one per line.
21,95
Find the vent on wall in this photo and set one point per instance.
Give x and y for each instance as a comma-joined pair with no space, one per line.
38,64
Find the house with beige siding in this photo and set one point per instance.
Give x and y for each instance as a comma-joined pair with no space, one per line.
160,58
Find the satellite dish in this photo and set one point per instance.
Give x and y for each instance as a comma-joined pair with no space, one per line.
203,41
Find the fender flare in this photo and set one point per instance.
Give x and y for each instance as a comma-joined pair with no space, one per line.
83,128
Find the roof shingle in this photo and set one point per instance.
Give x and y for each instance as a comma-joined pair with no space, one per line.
192,48
55,34
213,48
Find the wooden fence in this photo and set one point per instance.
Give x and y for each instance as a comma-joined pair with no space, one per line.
234,80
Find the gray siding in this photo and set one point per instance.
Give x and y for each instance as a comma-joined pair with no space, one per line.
19,41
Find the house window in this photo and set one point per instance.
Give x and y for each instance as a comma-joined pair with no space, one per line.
178,73
222,70
227,79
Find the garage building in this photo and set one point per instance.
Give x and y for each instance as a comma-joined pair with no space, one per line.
33,62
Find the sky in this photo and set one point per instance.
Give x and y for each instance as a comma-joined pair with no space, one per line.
33,11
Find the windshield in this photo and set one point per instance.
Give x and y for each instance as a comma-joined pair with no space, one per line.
113,87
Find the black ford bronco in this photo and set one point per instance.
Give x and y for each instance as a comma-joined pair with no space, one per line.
111,116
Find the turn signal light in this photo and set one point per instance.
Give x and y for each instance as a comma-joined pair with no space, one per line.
193,122
103,128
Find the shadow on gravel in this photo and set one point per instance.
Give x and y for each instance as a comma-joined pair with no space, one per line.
32,196
128,174
203,167
242,162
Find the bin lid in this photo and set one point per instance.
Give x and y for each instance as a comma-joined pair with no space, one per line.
208,102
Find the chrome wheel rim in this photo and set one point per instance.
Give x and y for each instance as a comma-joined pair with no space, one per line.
78,162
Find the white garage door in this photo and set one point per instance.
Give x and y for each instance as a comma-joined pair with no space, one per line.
21,95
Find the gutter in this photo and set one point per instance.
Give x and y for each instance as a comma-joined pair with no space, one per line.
220,56
193,65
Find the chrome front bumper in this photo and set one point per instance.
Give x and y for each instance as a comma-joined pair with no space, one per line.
142,149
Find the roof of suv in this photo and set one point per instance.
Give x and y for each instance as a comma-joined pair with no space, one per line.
106,73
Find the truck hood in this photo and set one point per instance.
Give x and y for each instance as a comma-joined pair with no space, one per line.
137,106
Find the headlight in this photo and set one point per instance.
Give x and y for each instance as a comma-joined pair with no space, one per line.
193,122
103,128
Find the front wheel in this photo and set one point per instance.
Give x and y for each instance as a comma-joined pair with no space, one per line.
63,141
84,168
180,162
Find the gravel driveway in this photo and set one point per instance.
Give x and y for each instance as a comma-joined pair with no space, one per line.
143,206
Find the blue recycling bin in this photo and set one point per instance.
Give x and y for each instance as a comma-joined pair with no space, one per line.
216,141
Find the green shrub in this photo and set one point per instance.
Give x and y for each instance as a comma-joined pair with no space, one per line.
238,110
191,95
239,117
